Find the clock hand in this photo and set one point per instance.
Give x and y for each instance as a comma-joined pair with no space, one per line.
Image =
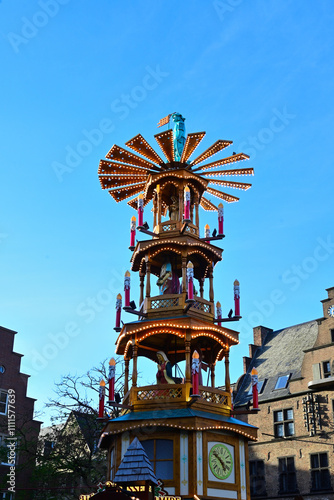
220,460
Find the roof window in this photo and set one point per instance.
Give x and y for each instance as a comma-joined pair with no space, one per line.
282,382
260,387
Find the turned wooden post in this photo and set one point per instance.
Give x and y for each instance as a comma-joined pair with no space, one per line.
188,362
141,287
184,274
126,376
159,203
201,287
212,368
211,294
134,368
181,203
196,211
148,279
155,210
227,370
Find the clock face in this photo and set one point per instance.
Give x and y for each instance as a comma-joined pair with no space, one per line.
220,461
331,311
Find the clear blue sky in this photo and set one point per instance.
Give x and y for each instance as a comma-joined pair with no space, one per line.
78,77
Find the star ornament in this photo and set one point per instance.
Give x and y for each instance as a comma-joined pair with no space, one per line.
127,175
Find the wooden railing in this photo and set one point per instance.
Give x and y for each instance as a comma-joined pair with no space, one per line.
176,303
161,396
174,225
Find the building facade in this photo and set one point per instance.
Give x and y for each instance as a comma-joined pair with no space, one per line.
294,454
18,429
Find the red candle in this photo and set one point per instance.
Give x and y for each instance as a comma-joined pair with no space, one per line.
186,203
195,373
118,310
112,370
102,392
190,276
127,289
207,232
132,231
219,313
140,209
255,379
236,298
220,218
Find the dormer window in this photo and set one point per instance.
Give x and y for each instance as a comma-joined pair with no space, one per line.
282,382
260,387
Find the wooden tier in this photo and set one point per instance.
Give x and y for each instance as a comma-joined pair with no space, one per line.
176,336
200,253
154,423
178,177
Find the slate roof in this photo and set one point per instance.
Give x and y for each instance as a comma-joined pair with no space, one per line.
282,353
135,466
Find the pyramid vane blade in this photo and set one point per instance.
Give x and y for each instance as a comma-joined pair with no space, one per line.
212,150
141,146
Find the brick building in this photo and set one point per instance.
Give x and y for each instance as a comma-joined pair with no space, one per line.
294,455
16,422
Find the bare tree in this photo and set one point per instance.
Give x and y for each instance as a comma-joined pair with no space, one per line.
69,462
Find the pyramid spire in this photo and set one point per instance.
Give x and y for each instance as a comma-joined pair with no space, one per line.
135,466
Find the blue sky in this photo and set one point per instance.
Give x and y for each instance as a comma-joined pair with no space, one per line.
78,77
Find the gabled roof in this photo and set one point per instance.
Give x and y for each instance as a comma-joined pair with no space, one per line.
282,354
135,466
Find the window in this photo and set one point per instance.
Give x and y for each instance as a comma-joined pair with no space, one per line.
283,423
326,369
6,496
2,369
161,454
320,477
282,382
287,481
260,387
3,402
3,450
48,447
257,478
332,335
